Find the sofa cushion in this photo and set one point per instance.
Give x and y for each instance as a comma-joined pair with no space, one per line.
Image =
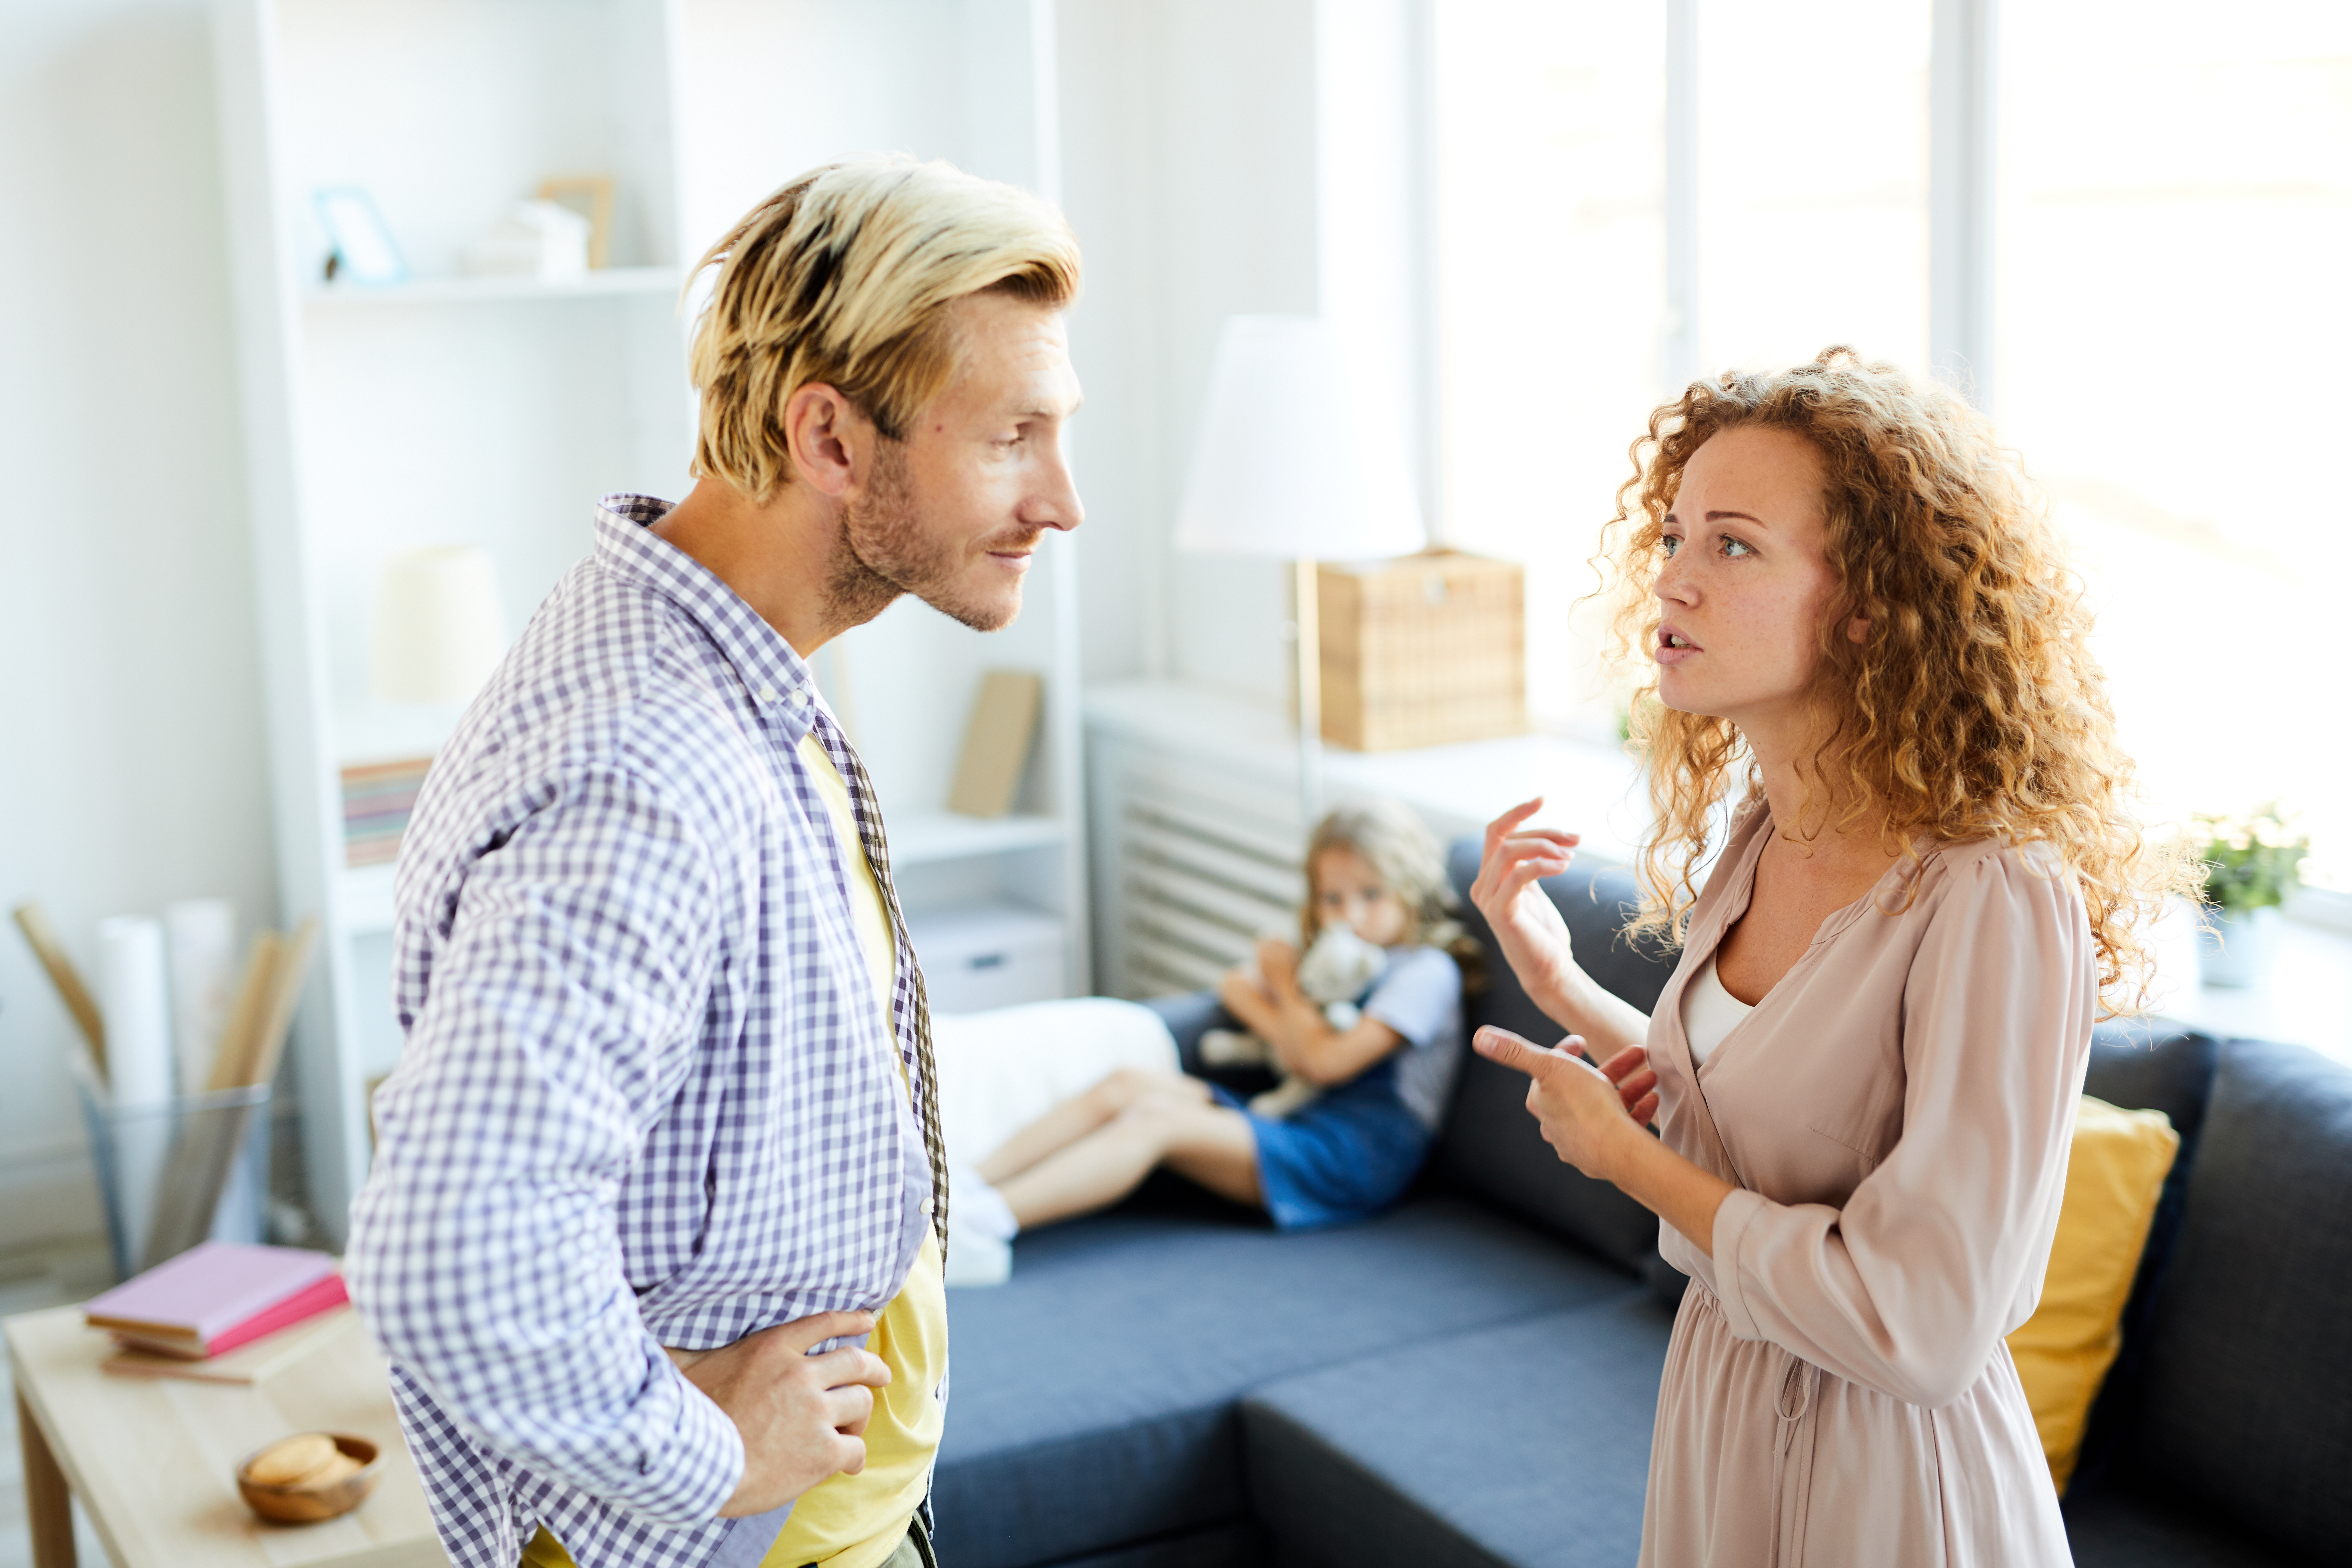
2114,1174
1526,1444
2248,1405
2146,1065
2118,1527
1489,1145
1095,1395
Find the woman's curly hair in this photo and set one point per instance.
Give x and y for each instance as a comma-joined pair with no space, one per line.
1971,708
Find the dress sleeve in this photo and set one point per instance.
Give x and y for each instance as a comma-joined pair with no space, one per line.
1940,1249
562,1014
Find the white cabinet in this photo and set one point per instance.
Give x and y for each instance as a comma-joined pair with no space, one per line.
494,411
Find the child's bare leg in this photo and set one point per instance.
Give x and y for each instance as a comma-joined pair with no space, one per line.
1081,1114
1209,1143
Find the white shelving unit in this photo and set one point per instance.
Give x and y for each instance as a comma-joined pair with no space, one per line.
494,411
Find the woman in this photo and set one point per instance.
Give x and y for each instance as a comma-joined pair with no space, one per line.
1866,1064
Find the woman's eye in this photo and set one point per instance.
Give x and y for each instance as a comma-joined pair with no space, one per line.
1669,543
1733,548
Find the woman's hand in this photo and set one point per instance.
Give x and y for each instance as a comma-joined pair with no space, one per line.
1593,1119
1583,1111
1527,926
1637,1084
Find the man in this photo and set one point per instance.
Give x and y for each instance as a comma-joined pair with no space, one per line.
663,1142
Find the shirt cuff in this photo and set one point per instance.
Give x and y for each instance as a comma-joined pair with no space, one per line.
687,1478
1737,1212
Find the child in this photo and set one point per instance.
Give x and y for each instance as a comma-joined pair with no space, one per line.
1353,1148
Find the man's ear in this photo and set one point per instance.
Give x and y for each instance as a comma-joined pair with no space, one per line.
824,433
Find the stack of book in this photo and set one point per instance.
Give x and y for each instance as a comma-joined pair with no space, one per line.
222,1312
377,799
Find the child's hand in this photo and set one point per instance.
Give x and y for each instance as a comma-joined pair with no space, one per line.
1279,962
1244,996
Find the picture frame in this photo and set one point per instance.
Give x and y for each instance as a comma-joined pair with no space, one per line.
362,250
590,195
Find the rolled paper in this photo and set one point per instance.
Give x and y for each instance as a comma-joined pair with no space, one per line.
200,938
135,995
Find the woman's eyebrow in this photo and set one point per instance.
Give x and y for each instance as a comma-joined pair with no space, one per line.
1749,517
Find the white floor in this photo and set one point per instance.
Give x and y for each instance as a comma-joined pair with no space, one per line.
30,1280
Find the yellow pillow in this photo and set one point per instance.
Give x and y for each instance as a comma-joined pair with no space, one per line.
2062,1352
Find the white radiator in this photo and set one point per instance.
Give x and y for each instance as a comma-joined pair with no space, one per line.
1191,864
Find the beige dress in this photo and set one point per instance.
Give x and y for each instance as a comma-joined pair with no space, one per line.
1897,1114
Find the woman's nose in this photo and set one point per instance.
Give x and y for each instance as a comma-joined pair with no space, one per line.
1673,583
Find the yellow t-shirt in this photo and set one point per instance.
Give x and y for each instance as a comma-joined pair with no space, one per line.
857,1521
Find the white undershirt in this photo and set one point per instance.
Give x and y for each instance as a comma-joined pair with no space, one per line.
1709,1012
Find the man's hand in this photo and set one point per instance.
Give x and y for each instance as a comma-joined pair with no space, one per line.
803,1417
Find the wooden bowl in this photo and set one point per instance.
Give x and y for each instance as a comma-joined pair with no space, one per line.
301,1502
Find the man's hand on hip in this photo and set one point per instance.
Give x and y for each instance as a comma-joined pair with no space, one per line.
803,1417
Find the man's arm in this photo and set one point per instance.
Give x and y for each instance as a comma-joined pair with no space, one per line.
560,1015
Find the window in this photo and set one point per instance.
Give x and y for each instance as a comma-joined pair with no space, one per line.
2173,320
2173,210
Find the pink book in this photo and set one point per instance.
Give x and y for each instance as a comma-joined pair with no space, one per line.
211,1290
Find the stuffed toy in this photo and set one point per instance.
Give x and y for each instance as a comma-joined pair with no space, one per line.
1338,968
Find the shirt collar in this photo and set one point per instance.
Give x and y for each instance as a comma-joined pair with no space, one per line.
775,678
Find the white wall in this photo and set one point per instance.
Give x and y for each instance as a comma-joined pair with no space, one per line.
131,732
1220,157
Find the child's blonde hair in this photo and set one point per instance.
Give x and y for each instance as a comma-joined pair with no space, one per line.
1405,856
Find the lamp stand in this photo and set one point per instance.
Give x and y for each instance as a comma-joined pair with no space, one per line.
1310,695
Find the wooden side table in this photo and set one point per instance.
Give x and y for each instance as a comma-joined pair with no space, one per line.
154,1462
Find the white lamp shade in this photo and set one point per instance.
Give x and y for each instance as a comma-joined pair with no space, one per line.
438,633
1287,464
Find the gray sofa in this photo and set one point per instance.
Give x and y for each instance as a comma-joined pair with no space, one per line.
1471,1377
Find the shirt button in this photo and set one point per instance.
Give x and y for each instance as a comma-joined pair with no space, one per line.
800,697
767,694
927,1208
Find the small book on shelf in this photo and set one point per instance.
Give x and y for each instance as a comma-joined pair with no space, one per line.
217,1296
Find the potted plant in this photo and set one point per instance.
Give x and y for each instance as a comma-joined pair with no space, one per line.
2251,864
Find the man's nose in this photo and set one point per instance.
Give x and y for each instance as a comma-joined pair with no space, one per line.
1059,505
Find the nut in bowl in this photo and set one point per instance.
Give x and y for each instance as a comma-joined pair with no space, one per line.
309,1476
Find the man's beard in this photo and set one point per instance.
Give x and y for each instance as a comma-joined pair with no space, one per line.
886,551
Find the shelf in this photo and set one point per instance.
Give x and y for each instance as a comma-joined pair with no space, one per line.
363,894
922,837
612,281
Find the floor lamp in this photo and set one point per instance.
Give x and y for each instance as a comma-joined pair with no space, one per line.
1285,468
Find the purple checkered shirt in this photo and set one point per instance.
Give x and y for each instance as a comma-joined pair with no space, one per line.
646,1099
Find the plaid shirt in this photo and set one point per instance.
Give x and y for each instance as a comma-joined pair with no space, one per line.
646,1099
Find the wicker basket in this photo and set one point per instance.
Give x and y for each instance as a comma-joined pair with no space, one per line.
1423,650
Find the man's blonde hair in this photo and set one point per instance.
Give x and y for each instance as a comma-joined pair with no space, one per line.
844,277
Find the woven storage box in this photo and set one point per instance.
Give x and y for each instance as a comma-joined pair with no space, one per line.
1422,651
